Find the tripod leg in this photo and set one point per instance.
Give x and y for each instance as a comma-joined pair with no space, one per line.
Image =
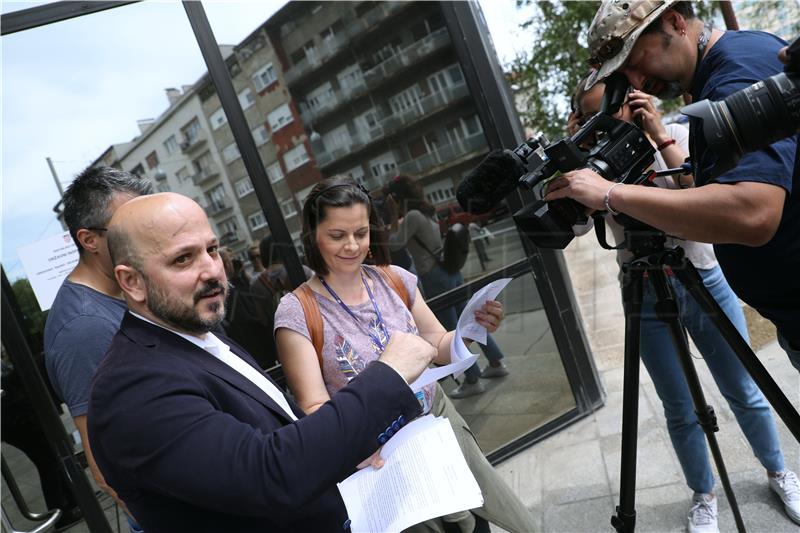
667,311
691,279
625,518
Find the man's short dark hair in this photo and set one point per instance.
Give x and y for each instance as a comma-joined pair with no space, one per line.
87,198
684,9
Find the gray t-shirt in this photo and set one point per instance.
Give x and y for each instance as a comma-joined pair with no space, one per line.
416,224
348,348
79,329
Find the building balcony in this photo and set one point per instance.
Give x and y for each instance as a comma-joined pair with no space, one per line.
218,206
386,126
210,171
324,51
409,55
189,145
443,155
231,237
371,19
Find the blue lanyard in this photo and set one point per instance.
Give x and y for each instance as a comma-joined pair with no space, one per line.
375,338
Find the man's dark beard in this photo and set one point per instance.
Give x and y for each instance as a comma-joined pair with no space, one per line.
186,318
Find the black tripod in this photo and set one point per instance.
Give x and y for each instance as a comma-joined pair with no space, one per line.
651,257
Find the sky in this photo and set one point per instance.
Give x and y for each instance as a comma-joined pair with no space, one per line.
71,89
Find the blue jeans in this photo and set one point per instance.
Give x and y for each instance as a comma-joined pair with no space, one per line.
744,398
436,282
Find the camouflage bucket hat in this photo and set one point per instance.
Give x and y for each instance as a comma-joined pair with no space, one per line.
614,30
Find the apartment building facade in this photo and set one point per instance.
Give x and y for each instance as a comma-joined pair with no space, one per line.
380,92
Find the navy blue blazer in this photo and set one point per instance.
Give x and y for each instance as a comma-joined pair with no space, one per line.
189,444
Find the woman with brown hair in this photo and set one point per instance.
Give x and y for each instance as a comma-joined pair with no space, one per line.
360,306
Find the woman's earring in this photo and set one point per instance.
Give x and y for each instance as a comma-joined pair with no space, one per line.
369,253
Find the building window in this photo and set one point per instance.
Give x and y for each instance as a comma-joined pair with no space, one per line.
191,131
246,98
152,160
295,157
260,135
287,208
231,153
279,117
218,119
337,138
171,145
274,172
264,77
138,170
321,97
243,187
257,220
350,78
183,175
383,164
406,99
357,173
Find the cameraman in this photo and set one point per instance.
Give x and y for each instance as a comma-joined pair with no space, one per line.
656,348
752,213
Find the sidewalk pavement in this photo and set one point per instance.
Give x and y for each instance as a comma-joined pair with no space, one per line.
571,480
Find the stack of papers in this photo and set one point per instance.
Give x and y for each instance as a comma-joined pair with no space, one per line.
424,476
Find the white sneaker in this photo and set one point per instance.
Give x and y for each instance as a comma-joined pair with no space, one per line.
465,390
494,371
787,487
703,514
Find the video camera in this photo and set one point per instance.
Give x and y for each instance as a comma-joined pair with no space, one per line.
750,119
621,154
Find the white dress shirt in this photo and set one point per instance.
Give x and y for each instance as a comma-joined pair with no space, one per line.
214,346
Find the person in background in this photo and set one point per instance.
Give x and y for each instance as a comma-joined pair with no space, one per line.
479,237
412,226
88,307
255,261
657,351
361,312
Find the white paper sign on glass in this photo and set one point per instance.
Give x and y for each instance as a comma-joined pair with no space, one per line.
46,263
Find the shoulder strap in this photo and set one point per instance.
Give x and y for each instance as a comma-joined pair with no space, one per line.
307,299
394,281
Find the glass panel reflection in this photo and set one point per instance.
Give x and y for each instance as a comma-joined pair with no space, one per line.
535,389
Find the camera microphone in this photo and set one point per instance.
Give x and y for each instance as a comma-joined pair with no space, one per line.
493,179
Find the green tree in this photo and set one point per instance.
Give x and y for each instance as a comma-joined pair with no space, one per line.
33,319
547,74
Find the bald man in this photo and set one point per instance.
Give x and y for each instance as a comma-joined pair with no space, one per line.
183,423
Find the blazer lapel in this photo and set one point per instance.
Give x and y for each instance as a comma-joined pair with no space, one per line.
161,339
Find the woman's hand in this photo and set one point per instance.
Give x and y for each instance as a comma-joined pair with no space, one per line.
642,107
490,315
375,460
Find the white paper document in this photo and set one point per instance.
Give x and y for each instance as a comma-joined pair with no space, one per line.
468,327
440,372
424,476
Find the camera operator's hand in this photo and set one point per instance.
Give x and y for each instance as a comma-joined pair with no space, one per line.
642,107
583,185
573,123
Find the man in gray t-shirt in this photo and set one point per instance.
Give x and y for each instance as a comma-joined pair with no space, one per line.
88,308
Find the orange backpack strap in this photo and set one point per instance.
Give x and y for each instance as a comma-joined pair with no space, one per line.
307,299
394,281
